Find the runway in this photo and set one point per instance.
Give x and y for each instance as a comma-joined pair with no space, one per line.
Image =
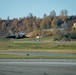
38,67
38,53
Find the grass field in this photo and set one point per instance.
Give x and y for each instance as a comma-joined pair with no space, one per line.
31,43
36,45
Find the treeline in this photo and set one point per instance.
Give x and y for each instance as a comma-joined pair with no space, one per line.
40,25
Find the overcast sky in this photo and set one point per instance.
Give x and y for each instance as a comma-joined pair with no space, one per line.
21,8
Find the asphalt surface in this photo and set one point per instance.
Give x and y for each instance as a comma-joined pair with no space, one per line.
37,67
38,53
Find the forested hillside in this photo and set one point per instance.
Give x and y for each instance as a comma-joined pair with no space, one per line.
49,25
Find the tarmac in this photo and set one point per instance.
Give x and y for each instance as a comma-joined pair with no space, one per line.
37,66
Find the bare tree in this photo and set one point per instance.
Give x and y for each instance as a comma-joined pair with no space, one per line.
45,15
53,14
30,15
64,12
